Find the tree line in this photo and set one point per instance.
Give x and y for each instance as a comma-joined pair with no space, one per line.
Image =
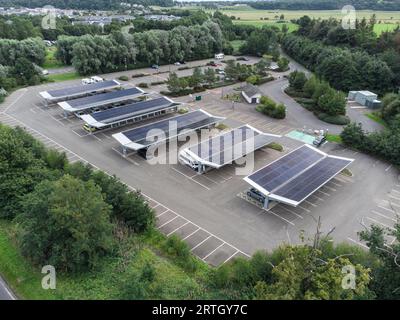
83,5
23,27
384,47
66,213
384,144
118,51
343,68
19,62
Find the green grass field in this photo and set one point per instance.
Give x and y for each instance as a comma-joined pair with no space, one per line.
250,14
374,116
378,28
50,61
386,20
291,26
333,138
63,76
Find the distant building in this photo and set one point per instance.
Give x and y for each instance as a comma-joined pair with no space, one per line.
251,93
365,98
273,67
161,17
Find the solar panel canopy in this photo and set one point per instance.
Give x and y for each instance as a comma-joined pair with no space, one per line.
71,92
227,147
99,100
144,136
294,177
103,118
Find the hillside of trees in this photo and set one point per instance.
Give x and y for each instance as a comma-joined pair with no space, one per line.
82,5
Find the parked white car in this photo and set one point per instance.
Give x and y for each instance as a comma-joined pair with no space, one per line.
87,81
91,80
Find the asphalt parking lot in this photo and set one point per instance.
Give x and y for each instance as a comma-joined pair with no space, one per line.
208,211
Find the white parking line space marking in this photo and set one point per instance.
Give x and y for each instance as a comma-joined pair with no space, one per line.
312,204
159,227
204,258
229,258
393,197
277,215
292,212
378,222
201,242
387,209
190,178
324,193
383,216
189,235
335,184
358,242
159,215
178,228
305,209
388,167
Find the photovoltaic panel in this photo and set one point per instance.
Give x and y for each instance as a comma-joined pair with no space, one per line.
285,168
83,102
71,91
312,179
140,137
231,145
131,110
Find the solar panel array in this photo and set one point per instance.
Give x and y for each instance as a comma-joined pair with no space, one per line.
189,121
298,174
82,88
309,181
83,102
231,145
131,110
278,172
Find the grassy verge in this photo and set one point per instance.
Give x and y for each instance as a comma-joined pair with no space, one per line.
259,23
23,279
117,276
63,77
375,117
334,138
50,61
236,44
275,146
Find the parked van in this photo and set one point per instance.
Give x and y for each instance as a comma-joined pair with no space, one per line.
87,81
219,56
96,79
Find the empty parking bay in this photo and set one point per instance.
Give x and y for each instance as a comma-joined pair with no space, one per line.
167,216
160,210
207,247
220,255
173,225
186,230
197,238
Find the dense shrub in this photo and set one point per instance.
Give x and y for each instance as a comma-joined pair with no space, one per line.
270,108
143,85
384,144
333,119
342,68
